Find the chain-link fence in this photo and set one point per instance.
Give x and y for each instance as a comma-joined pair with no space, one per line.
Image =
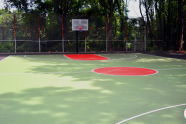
69,46
24,33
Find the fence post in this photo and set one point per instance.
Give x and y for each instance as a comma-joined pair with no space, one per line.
145,41
14,33
62,33
39,45
106,45
106,28
15,46
63,45
85,45
126,46
135,44
39,33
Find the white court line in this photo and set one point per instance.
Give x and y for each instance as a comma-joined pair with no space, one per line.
4,58
102,55
135,56
22,73
172,69
65,55
152,111
75,72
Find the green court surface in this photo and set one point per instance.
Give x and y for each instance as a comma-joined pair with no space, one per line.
52,89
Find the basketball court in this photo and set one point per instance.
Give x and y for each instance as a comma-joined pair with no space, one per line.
130,88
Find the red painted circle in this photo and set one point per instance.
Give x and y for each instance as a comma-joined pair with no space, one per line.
125,71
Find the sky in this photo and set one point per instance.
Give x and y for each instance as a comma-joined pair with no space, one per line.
133,7
1,3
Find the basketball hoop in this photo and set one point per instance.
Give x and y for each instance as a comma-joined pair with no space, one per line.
79,24
80,28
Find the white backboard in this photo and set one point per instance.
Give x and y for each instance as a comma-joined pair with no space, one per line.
79,24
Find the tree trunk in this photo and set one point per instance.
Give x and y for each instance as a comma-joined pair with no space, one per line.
181,25
122,27
109,31
160,28
148,23
62,27
168,27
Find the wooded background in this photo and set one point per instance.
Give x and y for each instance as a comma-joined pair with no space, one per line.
161,24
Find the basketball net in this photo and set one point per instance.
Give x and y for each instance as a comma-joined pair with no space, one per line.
80,27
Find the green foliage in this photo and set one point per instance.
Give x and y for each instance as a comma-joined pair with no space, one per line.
6,46
162,22
107,20
5,18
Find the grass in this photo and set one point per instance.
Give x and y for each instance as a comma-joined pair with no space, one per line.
51,89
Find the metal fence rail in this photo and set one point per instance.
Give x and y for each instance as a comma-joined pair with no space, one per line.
68,46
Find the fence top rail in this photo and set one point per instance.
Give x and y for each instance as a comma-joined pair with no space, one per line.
74,40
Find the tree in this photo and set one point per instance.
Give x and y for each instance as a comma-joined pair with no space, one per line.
122,10
180,24
5,32
161,17
109,7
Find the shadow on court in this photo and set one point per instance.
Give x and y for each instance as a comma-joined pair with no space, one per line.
65,105
85,97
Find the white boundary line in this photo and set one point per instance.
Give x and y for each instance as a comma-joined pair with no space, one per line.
152,111
76,72
22,73
65,55
172,69
104,57
4,58
131,58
